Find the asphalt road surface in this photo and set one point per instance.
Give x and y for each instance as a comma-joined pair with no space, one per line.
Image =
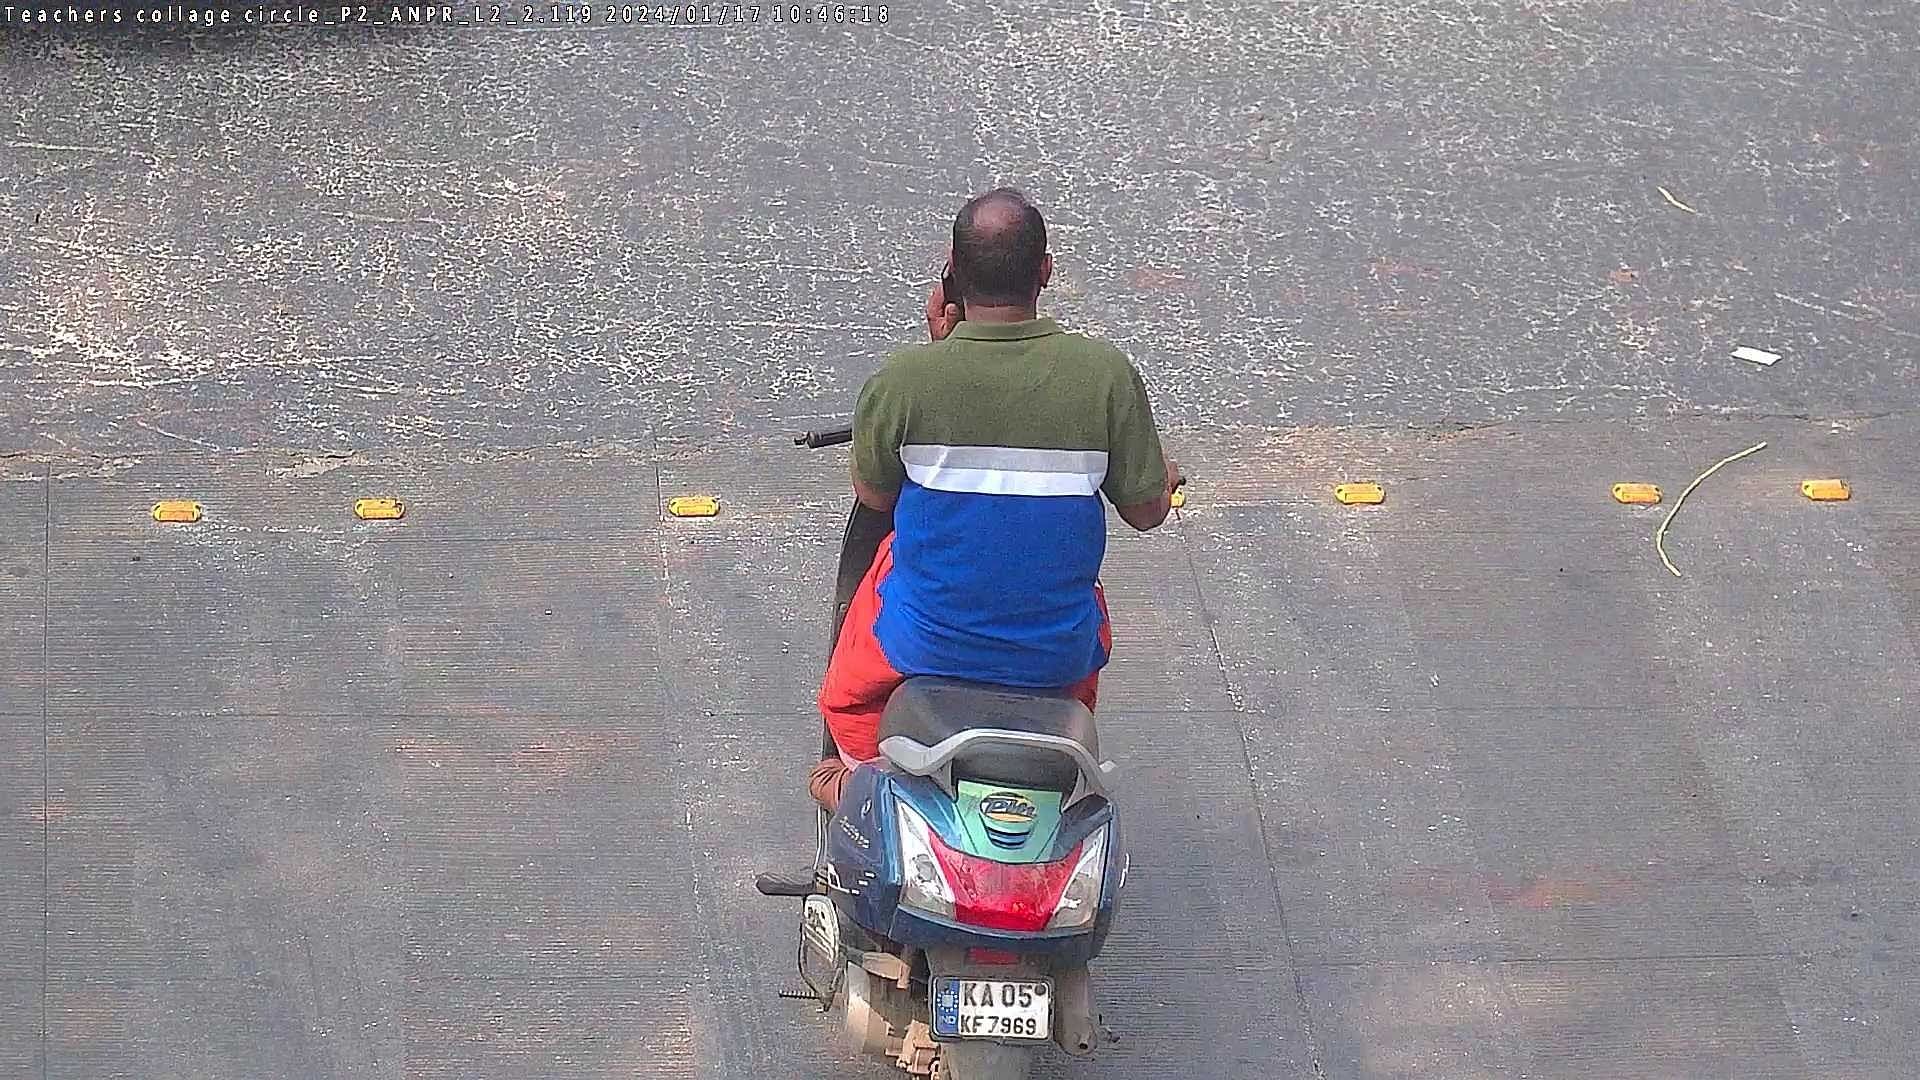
1466,784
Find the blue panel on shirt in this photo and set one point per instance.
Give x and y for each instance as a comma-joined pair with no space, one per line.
1011,578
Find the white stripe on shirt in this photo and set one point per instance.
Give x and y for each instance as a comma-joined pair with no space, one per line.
1001,470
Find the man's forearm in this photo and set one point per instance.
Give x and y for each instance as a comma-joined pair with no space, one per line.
1147,516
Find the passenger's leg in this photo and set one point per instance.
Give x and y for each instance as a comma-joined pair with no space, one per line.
856,687
1088,689
829,779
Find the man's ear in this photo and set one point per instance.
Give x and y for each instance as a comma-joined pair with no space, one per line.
1046,269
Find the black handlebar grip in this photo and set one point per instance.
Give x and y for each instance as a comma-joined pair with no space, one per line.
814,440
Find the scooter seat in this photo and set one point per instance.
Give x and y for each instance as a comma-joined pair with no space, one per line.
929,710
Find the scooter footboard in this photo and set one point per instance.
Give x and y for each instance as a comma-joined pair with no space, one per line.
1002,1003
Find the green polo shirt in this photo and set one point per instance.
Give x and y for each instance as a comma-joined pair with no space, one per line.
1026,384
1001,442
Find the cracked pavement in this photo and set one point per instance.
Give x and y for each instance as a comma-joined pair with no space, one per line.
1290,214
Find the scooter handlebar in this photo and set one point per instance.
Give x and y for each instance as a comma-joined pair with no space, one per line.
814,440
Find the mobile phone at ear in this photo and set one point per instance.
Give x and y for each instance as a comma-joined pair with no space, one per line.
950,289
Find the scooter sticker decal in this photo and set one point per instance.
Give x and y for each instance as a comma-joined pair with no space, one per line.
1008,813
1004,823
829,875
854,834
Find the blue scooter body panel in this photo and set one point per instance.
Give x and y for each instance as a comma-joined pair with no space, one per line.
863,867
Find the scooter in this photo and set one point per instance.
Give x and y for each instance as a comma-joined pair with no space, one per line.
967,879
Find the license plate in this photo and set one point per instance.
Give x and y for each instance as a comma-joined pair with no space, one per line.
992,1008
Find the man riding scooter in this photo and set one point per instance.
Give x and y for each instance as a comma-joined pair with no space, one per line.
992,447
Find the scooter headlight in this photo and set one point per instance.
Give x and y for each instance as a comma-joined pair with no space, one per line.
923,884
1080,900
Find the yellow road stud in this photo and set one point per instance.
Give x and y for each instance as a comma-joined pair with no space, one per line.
1826,490
1349,494
176,510
693,506
379,509
1636,494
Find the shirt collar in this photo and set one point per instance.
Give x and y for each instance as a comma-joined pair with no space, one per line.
983,331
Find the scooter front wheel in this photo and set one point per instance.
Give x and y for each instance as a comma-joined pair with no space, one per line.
984,1061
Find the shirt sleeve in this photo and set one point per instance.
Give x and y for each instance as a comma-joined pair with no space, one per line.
1136,467
879,430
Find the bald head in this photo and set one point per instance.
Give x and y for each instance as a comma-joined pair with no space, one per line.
1000,249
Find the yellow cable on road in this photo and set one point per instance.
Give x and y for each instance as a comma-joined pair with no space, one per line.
1660,535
